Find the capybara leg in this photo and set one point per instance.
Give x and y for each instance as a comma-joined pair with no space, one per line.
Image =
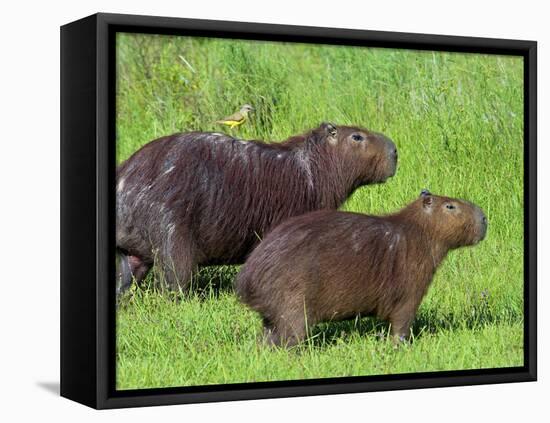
129,268
288,332
289,339
277,336
400,327
271,337
139,268
177,270
178,259
124,274
176,273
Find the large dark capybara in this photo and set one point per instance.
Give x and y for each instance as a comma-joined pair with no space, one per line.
329,265
203,198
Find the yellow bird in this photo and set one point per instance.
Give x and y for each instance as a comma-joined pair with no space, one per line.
238,118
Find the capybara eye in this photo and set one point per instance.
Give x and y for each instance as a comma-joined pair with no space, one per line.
450,206
357,137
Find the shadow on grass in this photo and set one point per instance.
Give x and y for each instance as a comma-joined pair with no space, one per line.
427,322
329,333
207,283
477,315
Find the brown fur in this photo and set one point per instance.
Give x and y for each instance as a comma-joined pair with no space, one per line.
330,265
203,198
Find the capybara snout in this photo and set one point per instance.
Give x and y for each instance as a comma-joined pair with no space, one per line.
391,150
331,265
460,222
483,223
372,148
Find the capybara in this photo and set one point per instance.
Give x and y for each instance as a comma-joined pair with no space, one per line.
202,198
329,265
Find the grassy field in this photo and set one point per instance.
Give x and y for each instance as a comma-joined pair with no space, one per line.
457,120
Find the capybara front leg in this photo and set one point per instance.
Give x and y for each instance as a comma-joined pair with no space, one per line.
288,330
176,272
129,268
124,274
178,259
276,337
177,268
401,326
271,336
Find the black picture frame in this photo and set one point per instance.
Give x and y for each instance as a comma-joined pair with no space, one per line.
87,210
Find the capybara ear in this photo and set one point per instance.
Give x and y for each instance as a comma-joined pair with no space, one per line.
427,199
331,131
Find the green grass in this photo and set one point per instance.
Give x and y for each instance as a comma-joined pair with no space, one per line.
457,120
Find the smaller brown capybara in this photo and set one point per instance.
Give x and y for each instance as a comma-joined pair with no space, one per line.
330,265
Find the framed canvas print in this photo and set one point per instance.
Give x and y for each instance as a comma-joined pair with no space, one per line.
255,211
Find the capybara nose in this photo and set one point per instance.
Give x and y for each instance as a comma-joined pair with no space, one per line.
392,149
482,217
392,153
484,223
